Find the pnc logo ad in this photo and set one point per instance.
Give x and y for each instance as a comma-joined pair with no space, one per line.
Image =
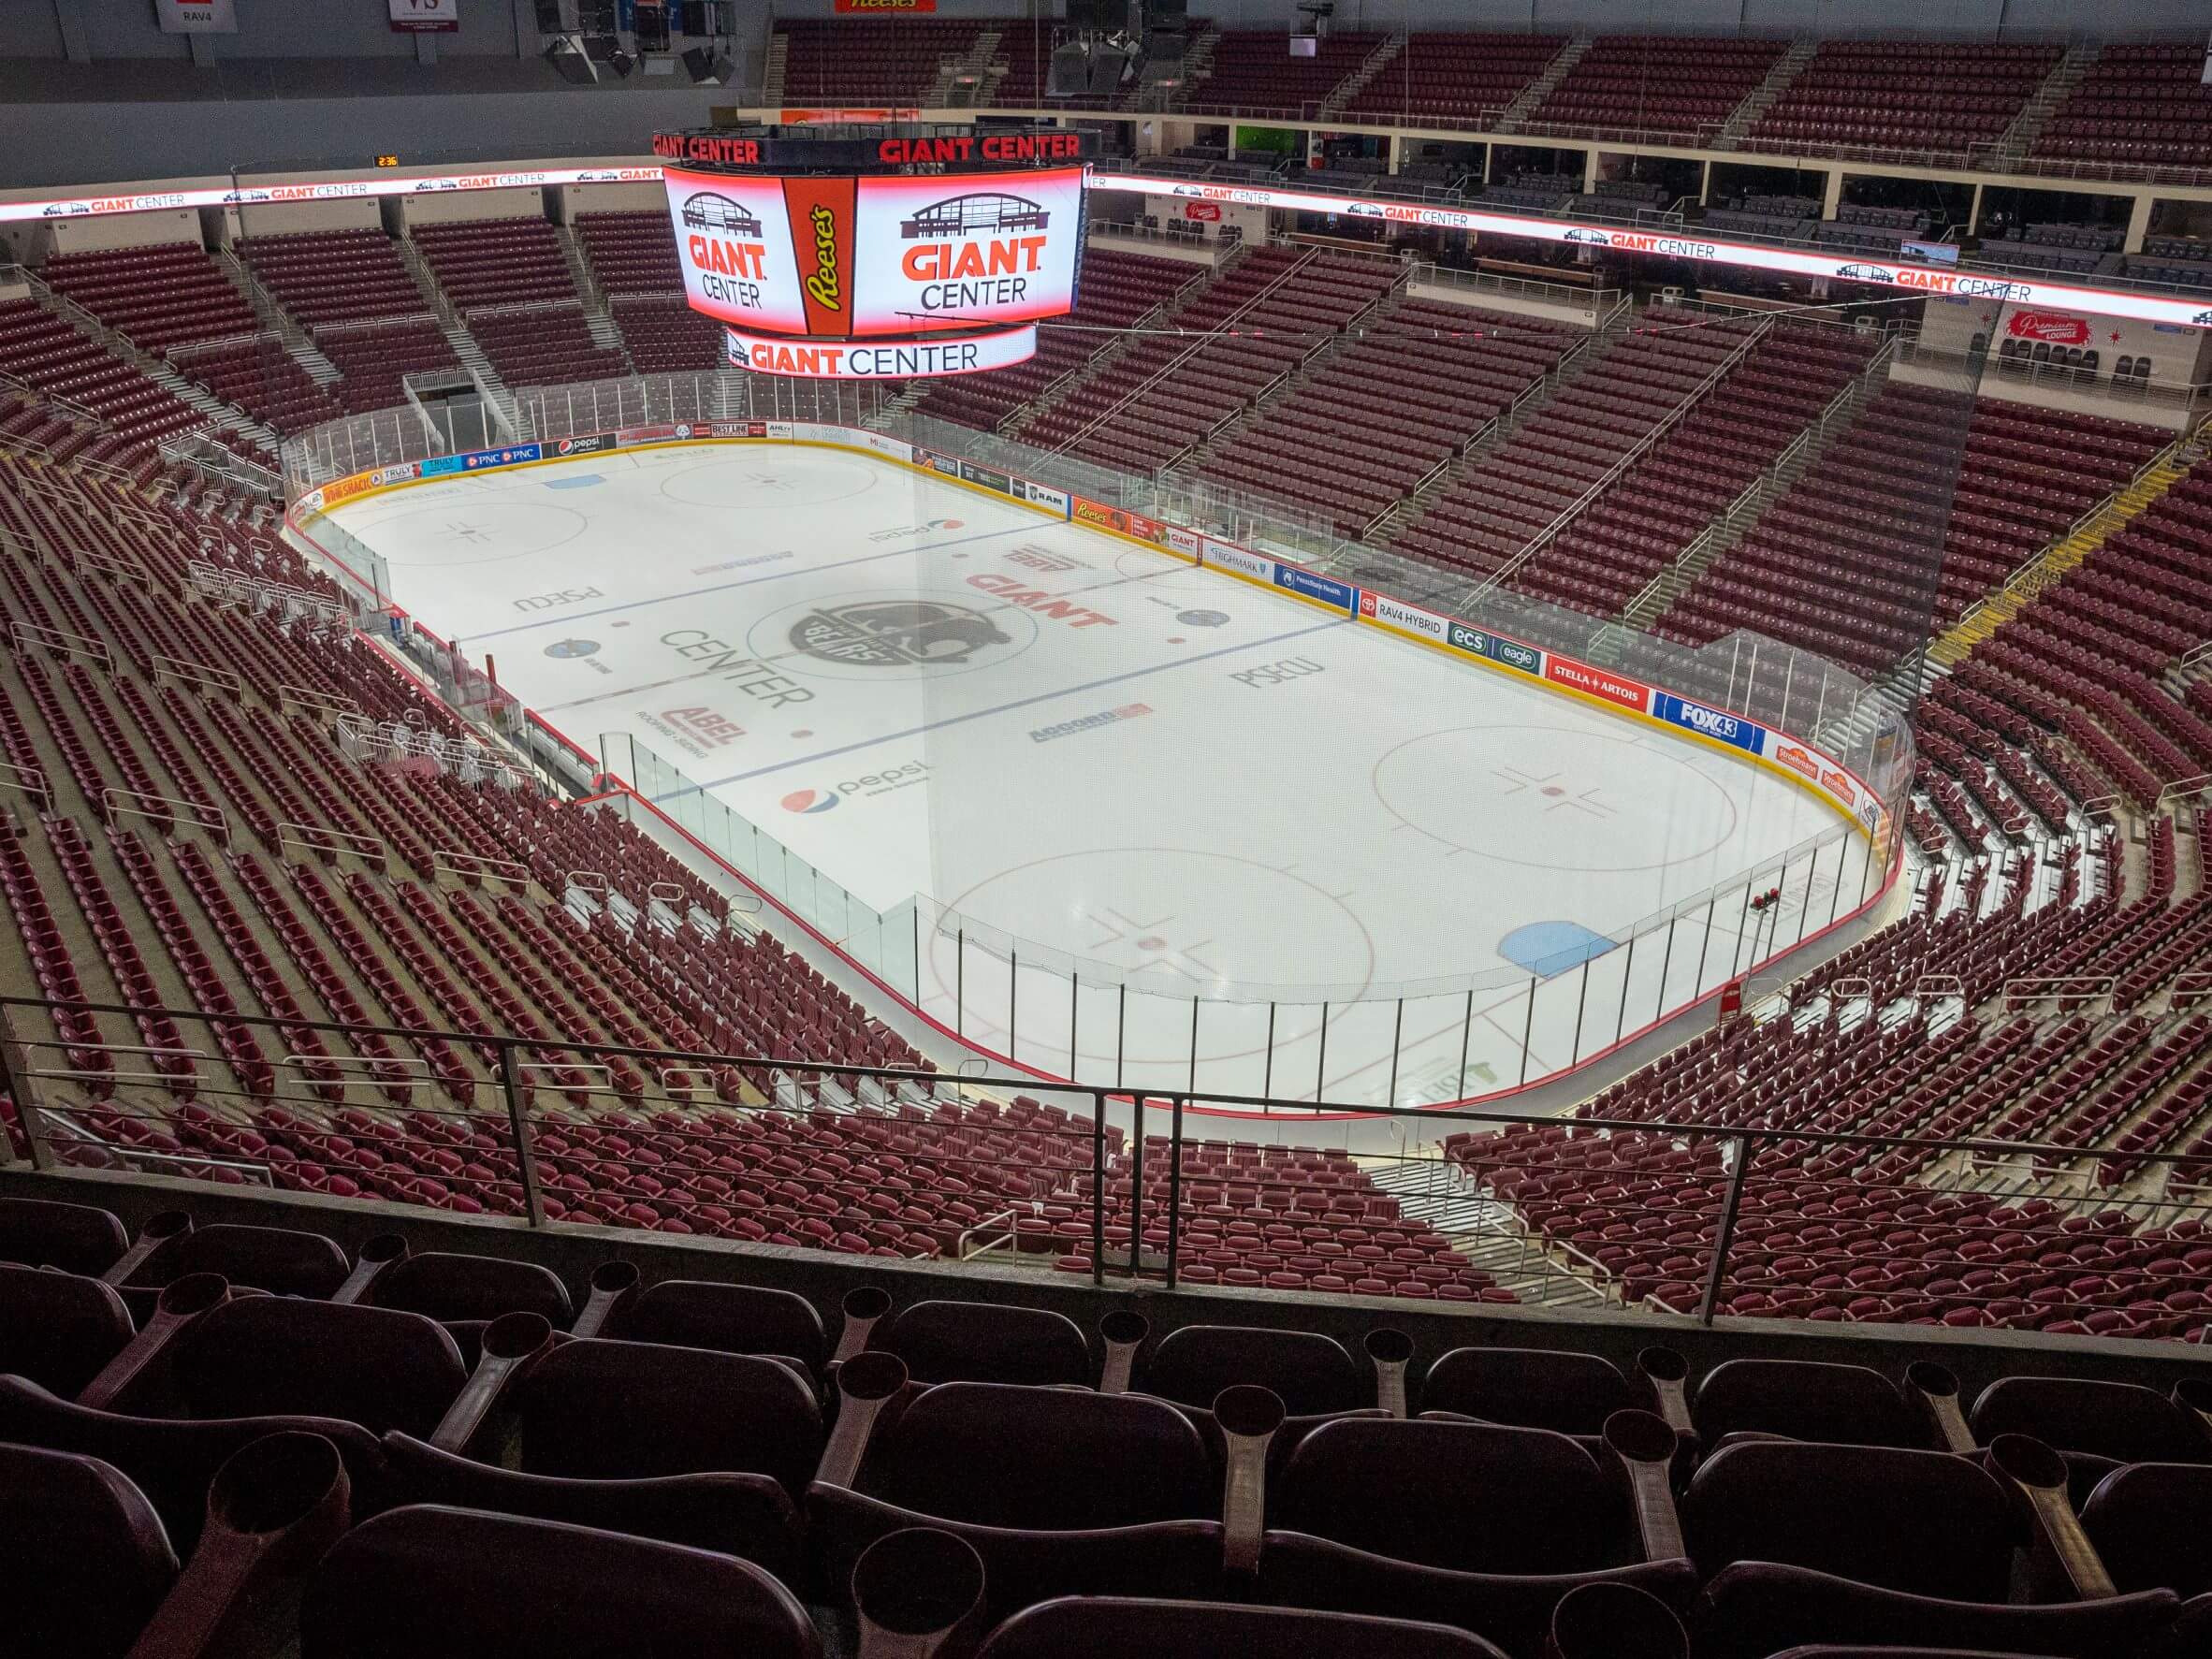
809,800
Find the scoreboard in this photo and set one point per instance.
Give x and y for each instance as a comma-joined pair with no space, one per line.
878,234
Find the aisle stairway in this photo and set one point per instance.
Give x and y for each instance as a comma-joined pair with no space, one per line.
2121,510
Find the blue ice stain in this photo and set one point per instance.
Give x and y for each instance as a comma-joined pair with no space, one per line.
1549,948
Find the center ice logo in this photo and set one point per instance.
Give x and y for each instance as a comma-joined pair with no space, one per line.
886,633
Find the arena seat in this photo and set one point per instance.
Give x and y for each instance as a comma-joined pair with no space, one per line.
173,1460
1804,1542
1803,1400
1309,1373
1372,1516
59,1329
430,1578
1060,1492
727,1319
75,1238
1568,1393
1104,1627
87,1559
947,1342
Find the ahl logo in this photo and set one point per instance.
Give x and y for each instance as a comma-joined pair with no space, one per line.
809,800
894,633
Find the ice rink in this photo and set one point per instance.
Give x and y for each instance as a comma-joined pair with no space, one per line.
1203,817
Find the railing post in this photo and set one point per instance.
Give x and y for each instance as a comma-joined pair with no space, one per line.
1136,1184
1725,1233
1397,1035
1621,1019
1528,1027
519,1122
1321,1059
1174,1191
1098,1190
11,1085
1466,1036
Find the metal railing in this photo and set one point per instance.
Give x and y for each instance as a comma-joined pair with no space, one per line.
1130,1185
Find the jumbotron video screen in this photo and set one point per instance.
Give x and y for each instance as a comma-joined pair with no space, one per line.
878,250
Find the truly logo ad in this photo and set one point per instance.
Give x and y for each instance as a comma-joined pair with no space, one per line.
1597,682
1708,723
1090,722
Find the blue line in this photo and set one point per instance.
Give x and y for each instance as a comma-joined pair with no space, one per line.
797,569
827,754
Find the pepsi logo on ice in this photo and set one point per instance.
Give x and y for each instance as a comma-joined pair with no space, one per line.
809,800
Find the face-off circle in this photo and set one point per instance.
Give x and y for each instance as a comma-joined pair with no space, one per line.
890,634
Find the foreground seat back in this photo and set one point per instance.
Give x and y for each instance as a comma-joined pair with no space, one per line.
76,1238
1802,1400
1804,1542
1116,1628
277,1259
453,1288
1531,1388
2152,1525
1311,1374
2123,1421
729,1319
1918,1521
1428,1491
1474,1525
275,1356
87,1559
1059,1492
600,1410
747,1515
174,1461
59,1329
944,1342
992,1454
432,1579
